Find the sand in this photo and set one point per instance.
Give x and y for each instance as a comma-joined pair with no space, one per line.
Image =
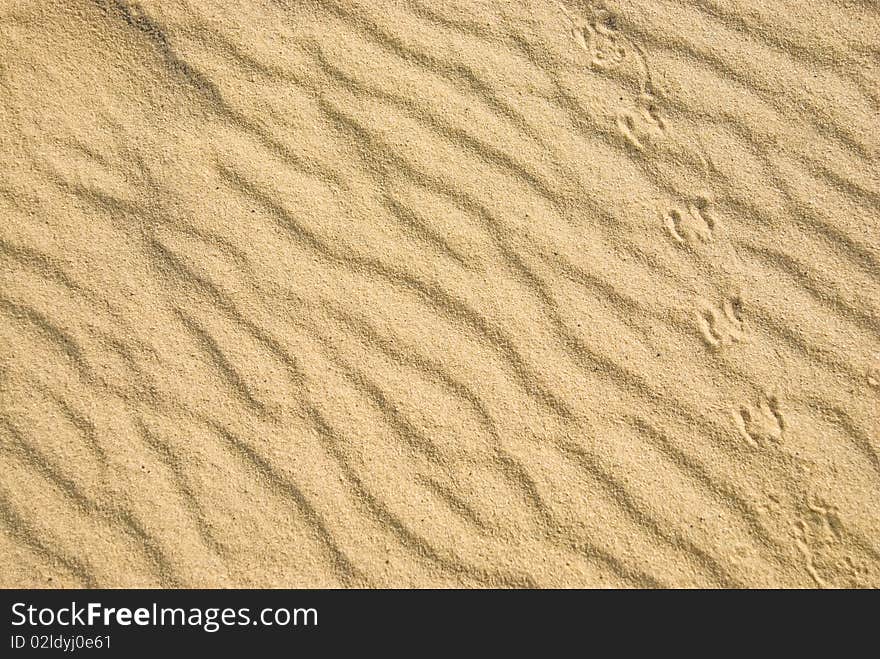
341,293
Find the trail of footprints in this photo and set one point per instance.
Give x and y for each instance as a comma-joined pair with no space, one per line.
691,225
594,28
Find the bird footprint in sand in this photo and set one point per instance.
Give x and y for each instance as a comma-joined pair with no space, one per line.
598,36
761,423
819,535
873,376
644,124
594,29
724,325
693,226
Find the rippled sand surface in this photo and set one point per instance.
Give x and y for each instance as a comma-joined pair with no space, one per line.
334,293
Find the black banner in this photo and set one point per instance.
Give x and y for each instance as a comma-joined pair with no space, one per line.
125,622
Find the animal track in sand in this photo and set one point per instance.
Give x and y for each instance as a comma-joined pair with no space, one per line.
819,535
724,325
638,128
644,124
599,37
762,423
594,29
873,377
693,226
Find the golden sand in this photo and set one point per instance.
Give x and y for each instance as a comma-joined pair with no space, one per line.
342,293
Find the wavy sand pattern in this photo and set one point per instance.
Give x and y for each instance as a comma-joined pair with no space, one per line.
461,293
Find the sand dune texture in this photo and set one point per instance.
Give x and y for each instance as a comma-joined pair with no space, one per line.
343,293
